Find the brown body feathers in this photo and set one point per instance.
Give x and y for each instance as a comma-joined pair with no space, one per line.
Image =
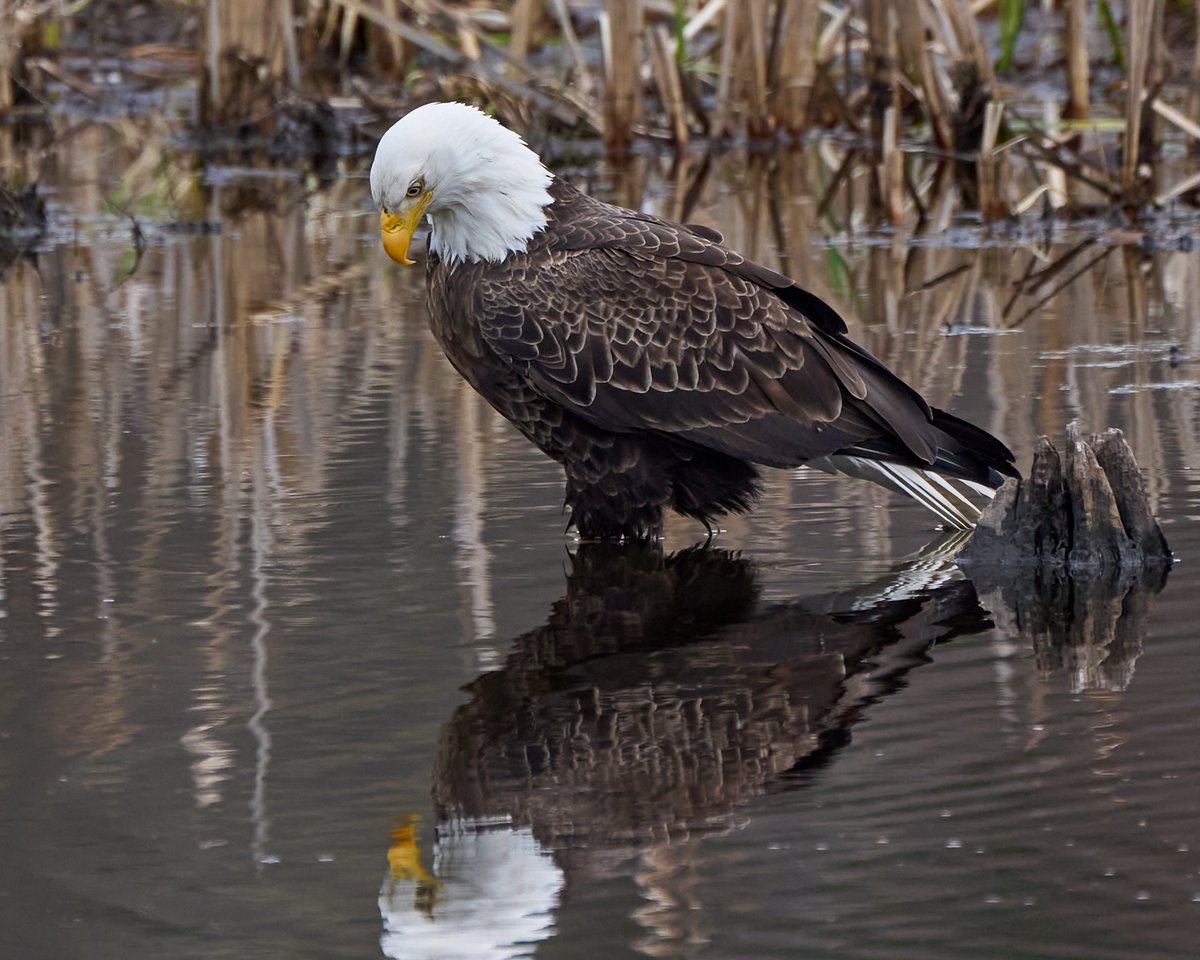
659,367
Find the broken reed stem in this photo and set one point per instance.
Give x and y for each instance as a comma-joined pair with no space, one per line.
621,27
914,54
468,42
750,42
1193,98
583,76
1077,59
523,22
721,108
1156,75
992,203
395,44
703,17
248,47
287,33
666,76
1142,17
793,67
8,52
966,34
210,38
742,75
887,194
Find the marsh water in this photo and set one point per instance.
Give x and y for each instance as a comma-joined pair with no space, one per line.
296,659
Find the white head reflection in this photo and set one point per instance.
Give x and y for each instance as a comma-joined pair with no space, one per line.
491,895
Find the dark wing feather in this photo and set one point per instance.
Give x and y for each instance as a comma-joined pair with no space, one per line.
638,324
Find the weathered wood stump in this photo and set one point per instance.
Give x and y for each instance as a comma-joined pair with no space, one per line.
1087,510
1071,558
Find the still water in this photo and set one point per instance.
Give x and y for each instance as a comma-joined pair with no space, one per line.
296,659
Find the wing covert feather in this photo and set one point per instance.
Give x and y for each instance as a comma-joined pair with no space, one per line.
637,324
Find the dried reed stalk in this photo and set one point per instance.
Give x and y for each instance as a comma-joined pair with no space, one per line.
1192,129
891,174
1186,185
583,76
243,41
525,16
468,42
346,37
1156,76
1142,15
287,34
722,109
961,21
1077,59
666,76
992,202
754,36
565,107
749,43
914,54
1173,116
621,29
1058,185
702,18
1193,99
887,188
742,78
793,62
393,43
8,52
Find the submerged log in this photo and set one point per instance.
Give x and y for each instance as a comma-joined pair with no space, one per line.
1086,510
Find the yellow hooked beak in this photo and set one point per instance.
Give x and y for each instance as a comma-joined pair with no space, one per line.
397,231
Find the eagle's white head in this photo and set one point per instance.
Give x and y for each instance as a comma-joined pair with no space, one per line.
483,189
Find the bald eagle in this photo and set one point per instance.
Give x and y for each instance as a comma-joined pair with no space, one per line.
659,367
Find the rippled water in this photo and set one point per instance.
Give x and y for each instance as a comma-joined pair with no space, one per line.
296,660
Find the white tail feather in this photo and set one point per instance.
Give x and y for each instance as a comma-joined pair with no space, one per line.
944,496
931,567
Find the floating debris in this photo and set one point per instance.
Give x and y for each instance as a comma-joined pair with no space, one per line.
22,223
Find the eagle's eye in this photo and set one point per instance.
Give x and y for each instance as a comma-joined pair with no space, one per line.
415,188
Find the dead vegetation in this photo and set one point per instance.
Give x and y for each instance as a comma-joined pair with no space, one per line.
912,89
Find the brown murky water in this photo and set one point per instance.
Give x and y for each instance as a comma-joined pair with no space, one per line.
296,660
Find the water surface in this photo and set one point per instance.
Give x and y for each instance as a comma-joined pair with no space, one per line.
296,659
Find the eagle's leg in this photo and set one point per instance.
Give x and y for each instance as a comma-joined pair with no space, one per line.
599,517
708,485
619,496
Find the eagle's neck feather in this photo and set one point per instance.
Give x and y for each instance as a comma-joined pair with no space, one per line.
492,213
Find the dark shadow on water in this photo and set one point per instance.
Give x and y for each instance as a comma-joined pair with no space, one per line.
662,694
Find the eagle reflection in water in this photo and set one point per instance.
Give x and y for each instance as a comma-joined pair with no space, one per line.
660,695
